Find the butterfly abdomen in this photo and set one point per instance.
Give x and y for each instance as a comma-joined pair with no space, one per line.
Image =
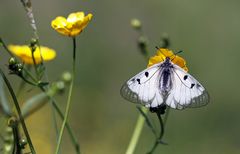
165,82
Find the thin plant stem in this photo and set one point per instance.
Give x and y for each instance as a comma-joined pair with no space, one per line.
166,116
54,119
137,131
19,112
69,129
28,8
68,100
148,121
16,147
159,139
5,47
34,63
29,82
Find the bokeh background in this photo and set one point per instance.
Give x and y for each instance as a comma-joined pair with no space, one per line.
107,55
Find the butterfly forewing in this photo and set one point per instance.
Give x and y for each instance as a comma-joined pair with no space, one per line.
186,91
143,87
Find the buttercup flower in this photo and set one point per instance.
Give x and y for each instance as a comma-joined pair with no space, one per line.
73,25
25,54
161,55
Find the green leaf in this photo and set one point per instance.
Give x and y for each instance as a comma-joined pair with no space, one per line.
34,103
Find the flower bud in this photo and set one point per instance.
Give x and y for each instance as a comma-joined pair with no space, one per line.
12,61
67,77
60,85
142,44
23,142
135,23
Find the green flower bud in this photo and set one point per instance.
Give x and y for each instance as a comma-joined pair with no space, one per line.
60,85
12,61
66,77
23,143
135,23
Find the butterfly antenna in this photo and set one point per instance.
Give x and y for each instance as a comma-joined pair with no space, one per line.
175,54
160,51
178,52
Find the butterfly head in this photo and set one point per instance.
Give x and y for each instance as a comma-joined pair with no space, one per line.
167,59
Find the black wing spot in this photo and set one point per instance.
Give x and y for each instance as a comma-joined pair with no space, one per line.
146,74
185,77
133,79
138,80
192,85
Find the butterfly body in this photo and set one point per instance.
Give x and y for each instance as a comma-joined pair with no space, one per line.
165,83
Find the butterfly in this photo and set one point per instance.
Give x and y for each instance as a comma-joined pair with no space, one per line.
165,84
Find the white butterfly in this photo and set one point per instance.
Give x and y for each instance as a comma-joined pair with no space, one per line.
165,83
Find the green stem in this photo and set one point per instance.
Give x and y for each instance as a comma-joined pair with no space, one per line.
69,98
5,47
166,116
30,75
29,82
18,111
54,119
159,139
34,63
137,132
69,129
16,148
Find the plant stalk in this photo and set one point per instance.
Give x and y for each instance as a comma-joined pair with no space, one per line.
19,112
69,98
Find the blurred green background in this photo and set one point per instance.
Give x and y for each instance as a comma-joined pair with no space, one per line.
107,55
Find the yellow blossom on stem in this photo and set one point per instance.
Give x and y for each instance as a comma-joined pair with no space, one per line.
25,54
161,55
73,25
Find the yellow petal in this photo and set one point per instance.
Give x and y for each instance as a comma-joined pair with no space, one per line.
164,52
73,25
59,22
161,56
85,22
154,60
60,25
75,17
25,53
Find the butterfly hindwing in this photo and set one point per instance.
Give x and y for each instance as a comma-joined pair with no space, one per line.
186,91
143,87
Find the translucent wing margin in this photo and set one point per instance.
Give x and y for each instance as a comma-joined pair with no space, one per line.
186,91
143,88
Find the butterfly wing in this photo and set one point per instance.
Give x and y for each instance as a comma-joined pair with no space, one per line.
143,88
186,91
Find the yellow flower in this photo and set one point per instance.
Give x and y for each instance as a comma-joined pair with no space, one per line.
25,54
161,55
73,25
